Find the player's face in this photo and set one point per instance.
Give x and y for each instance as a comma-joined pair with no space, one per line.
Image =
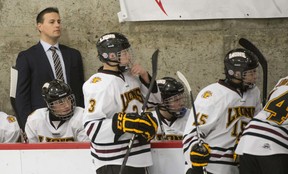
176,103
250,76
62,107
125,57
50,29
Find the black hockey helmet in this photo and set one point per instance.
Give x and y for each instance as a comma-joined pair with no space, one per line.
169,87
111,43
172,91
59,98
237,62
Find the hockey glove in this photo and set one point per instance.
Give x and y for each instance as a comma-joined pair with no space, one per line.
200,155
144,124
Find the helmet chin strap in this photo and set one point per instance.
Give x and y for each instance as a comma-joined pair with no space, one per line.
162,108
108,63
121,68
64,117
174,114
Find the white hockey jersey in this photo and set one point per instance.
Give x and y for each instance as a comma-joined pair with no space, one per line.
173,129
107,93
9,128
39,127
267,133
222,114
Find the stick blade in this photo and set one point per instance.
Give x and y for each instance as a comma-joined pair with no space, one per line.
155,61
251,47
154,74
184,80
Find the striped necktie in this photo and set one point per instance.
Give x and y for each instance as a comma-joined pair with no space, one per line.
57,64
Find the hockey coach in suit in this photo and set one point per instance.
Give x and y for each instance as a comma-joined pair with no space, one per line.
36,66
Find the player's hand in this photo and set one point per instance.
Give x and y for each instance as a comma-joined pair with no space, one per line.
200,154
138,70
144,124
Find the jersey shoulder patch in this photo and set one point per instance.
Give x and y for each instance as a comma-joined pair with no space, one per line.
95,80
206,94
11,119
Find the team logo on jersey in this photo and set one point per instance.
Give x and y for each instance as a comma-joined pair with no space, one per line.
11,119
207,94
96,79
127,97
52,139
235,113
169,137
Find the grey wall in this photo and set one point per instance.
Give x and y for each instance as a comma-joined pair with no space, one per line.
196,48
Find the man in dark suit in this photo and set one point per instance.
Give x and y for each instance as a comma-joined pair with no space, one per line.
36,66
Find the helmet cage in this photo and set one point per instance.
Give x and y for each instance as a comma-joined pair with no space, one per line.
175,105
174,99
63,108
249,78
59,99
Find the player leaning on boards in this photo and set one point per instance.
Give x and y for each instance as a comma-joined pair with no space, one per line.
61,120
263,147
172,113
113,101
223,109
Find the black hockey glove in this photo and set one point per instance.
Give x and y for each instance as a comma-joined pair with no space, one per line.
144,124
200,155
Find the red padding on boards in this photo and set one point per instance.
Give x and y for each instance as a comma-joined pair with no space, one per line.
24,146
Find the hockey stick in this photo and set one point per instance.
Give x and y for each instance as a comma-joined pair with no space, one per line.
263,62
154,73
163,137
186,83
13,86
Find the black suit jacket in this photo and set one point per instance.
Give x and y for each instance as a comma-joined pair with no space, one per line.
34,70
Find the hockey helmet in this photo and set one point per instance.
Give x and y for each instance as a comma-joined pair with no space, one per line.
172,93
59,98
111,44
238,62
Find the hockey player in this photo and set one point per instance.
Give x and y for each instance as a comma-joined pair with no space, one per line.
223,109
61,121
113,101
172,113
9,129
263,147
